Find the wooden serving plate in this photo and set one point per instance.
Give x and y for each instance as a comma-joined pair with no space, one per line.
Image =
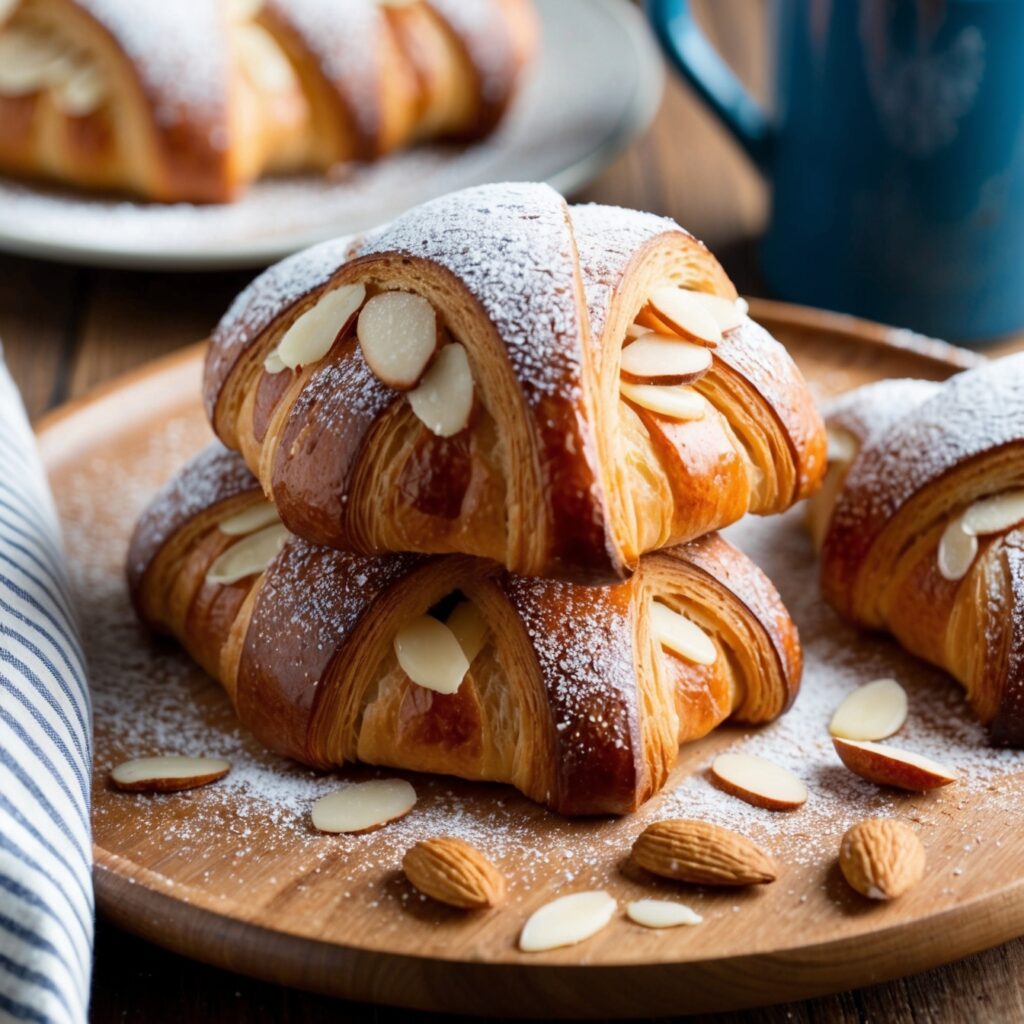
235,875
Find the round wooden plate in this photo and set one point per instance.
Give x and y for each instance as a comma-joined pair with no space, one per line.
234,874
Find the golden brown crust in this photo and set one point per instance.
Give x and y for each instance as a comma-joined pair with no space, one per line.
571,699
194,99
953,445
556,475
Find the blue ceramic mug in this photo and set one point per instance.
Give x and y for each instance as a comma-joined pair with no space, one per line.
895,153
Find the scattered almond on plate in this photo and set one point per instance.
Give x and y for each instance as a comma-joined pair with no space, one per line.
881,858
758,782
364,806
661,913
452,871
701,853
566,921
889,766
169,774
872,712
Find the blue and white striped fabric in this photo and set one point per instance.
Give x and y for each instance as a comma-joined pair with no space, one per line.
46,901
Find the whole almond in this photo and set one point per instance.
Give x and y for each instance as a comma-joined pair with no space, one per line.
702,853
881,858
453,872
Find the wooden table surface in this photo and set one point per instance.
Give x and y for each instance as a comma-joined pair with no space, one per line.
66,329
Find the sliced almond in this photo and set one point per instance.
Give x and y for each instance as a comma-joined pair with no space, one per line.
470,628
566,921
702,854
995,514
728,313
681,636
430,655
250,555
364,806
30,60
314,333
659,359
255,517
881,858
872,712
168,774
81,93
273,365
635,330
889,766
398,334
444,398
689,314
661,913
452,871
759,782
677,401
957,551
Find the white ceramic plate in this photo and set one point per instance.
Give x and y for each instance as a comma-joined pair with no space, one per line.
595,86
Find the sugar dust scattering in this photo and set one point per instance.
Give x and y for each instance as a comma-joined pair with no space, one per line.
149,699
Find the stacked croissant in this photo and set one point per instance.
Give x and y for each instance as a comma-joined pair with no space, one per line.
462,517
189,100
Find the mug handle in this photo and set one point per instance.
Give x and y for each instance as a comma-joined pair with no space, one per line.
696,59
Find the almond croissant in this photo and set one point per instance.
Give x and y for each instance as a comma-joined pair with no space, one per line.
193,99
498,374
578,696
921,526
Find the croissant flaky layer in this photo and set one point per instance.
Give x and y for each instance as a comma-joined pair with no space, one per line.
193,99
498,374
921,524
578,696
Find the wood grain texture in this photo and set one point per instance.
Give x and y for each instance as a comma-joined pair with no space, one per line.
336,917
65,329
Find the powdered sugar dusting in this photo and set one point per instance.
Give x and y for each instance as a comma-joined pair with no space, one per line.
180,52
216,474
608,238
310,601
263,301
481,27
944,431
343,35
584,645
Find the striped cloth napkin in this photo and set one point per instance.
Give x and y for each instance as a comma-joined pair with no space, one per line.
46,900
